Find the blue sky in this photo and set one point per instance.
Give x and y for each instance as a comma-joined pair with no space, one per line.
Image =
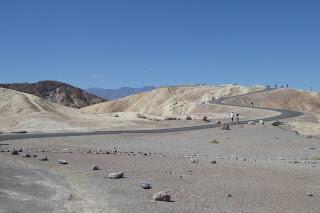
161,42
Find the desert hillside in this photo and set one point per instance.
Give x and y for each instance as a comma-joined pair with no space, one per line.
171,101
290,99
22,111
57,92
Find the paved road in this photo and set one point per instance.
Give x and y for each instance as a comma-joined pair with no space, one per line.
284,114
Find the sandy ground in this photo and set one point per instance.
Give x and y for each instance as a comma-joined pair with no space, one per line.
262,169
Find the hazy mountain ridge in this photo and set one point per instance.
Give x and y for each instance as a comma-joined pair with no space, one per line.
112,94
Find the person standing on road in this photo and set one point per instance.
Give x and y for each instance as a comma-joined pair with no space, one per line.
238,118
232,116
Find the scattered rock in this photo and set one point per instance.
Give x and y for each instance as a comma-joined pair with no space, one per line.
26,155
251,123
188,118
62,161
229,195
213,161
116,175
145,185
34,156
233,157
95,167
42,158
170,119
20,150
162,196
261,122
277,123
14,152
193,160
225,126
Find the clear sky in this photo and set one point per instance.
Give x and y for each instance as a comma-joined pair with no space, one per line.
161,42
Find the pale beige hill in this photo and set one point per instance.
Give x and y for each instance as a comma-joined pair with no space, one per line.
21,111
290,99
171,101
298,100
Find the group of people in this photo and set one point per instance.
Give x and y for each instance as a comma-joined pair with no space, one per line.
234,117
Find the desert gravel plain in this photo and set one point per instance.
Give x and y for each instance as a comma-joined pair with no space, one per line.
250,168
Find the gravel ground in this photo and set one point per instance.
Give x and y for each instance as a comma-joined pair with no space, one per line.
258,169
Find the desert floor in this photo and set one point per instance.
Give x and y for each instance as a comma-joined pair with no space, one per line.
258,168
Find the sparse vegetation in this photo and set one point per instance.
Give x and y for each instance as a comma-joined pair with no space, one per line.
214,141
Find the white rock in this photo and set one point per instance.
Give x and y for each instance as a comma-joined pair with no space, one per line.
116,175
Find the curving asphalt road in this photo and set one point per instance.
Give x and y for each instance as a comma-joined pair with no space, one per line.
284,114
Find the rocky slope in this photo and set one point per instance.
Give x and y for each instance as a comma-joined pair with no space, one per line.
57,92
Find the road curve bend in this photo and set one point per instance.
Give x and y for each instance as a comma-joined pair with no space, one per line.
284,114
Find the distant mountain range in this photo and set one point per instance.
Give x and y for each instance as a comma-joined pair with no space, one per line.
57,92
112,94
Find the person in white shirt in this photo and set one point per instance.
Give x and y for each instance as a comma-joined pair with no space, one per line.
232,116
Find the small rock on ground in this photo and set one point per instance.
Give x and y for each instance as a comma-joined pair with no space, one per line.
15,152
26,155
116,175
145,185
213,161
95,167
42,158
162,196
62,161
193,160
